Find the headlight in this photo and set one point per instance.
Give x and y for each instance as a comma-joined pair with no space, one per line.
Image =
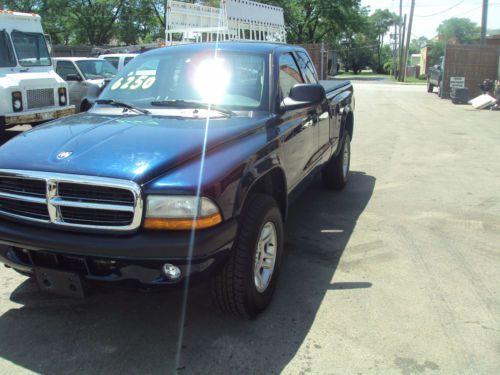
180,213
62,96
17,101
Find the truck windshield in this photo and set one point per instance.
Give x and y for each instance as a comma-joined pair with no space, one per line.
31,49
96,69
235,81
7,59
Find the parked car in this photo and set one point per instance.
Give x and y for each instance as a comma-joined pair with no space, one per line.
30,90
118,60
435,77
86,78
180,174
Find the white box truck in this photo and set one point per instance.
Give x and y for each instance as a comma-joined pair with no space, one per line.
31,92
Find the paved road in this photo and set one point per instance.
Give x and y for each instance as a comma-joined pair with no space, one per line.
400,273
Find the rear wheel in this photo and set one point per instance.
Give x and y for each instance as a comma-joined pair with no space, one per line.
246,283
336,172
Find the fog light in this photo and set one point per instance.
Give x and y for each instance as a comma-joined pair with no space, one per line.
171,272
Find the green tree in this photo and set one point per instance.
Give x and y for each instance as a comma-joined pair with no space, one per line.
380,23
417,44
459,30
313,21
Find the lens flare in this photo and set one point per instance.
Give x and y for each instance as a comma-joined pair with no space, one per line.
212,76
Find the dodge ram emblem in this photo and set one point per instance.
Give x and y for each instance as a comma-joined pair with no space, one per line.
63,155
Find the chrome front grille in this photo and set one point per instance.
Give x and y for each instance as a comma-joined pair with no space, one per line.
70,200
40,98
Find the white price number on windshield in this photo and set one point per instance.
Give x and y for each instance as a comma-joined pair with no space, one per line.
134,83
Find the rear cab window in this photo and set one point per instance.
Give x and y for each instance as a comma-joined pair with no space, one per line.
289,74
307,67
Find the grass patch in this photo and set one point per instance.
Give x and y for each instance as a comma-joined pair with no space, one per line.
413,81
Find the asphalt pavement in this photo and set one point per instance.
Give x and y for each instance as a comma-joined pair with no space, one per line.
398,274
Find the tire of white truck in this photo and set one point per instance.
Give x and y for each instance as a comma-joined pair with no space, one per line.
246,283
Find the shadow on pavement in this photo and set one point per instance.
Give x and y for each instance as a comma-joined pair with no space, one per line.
133,332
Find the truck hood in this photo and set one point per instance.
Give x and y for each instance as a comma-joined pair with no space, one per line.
134,147
30,80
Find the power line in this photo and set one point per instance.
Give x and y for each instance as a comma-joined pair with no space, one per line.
442,11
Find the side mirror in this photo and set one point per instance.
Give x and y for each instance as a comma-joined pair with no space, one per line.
73,78
302,96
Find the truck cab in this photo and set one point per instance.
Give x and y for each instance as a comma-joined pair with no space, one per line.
31,90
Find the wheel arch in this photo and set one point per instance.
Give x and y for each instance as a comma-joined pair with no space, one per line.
272,182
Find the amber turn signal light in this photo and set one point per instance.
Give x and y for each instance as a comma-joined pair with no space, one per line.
183,224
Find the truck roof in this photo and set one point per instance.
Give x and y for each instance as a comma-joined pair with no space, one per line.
18,16
118,55
240,46
75,58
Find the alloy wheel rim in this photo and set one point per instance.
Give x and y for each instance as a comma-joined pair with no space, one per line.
265,257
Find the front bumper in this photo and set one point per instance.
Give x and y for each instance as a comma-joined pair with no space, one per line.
115,258
35,116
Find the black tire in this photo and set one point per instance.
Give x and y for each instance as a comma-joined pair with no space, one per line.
233,287
334,175
85,106
430,87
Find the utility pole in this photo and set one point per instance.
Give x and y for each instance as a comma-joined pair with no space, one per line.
401,49
400,36
484,22
408,39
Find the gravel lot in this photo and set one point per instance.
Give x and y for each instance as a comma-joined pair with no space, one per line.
400,273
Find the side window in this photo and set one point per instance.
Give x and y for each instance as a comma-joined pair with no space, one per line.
289,74
65,68
113,61
307,68
127,60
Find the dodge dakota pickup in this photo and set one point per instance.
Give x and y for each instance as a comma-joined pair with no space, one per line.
183,170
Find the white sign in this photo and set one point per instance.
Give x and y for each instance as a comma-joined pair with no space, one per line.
457,82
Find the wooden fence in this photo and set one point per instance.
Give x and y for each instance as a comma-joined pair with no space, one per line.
473,62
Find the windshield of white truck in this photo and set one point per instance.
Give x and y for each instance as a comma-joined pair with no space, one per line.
31,49
7,59
97,69
235,81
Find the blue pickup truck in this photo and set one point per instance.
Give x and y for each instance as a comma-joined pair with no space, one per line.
183,170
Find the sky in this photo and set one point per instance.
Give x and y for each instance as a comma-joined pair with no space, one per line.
430,13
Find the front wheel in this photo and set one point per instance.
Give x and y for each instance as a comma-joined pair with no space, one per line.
246,283
335,173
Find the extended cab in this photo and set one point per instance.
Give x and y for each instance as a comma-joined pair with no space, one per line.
183,169
30,90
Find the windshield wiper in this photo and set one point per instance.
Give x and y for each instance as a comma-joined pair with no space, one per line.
123,105
192,104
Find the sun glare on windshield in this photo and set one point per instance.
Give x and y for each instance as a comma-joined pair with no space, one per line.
211,79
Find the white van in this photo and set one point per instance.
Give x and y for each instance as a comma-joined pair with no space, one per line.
31,92
118,60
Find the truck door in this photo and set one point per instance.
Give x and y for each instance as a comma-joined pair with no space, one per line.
323,131
76,88
297,127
